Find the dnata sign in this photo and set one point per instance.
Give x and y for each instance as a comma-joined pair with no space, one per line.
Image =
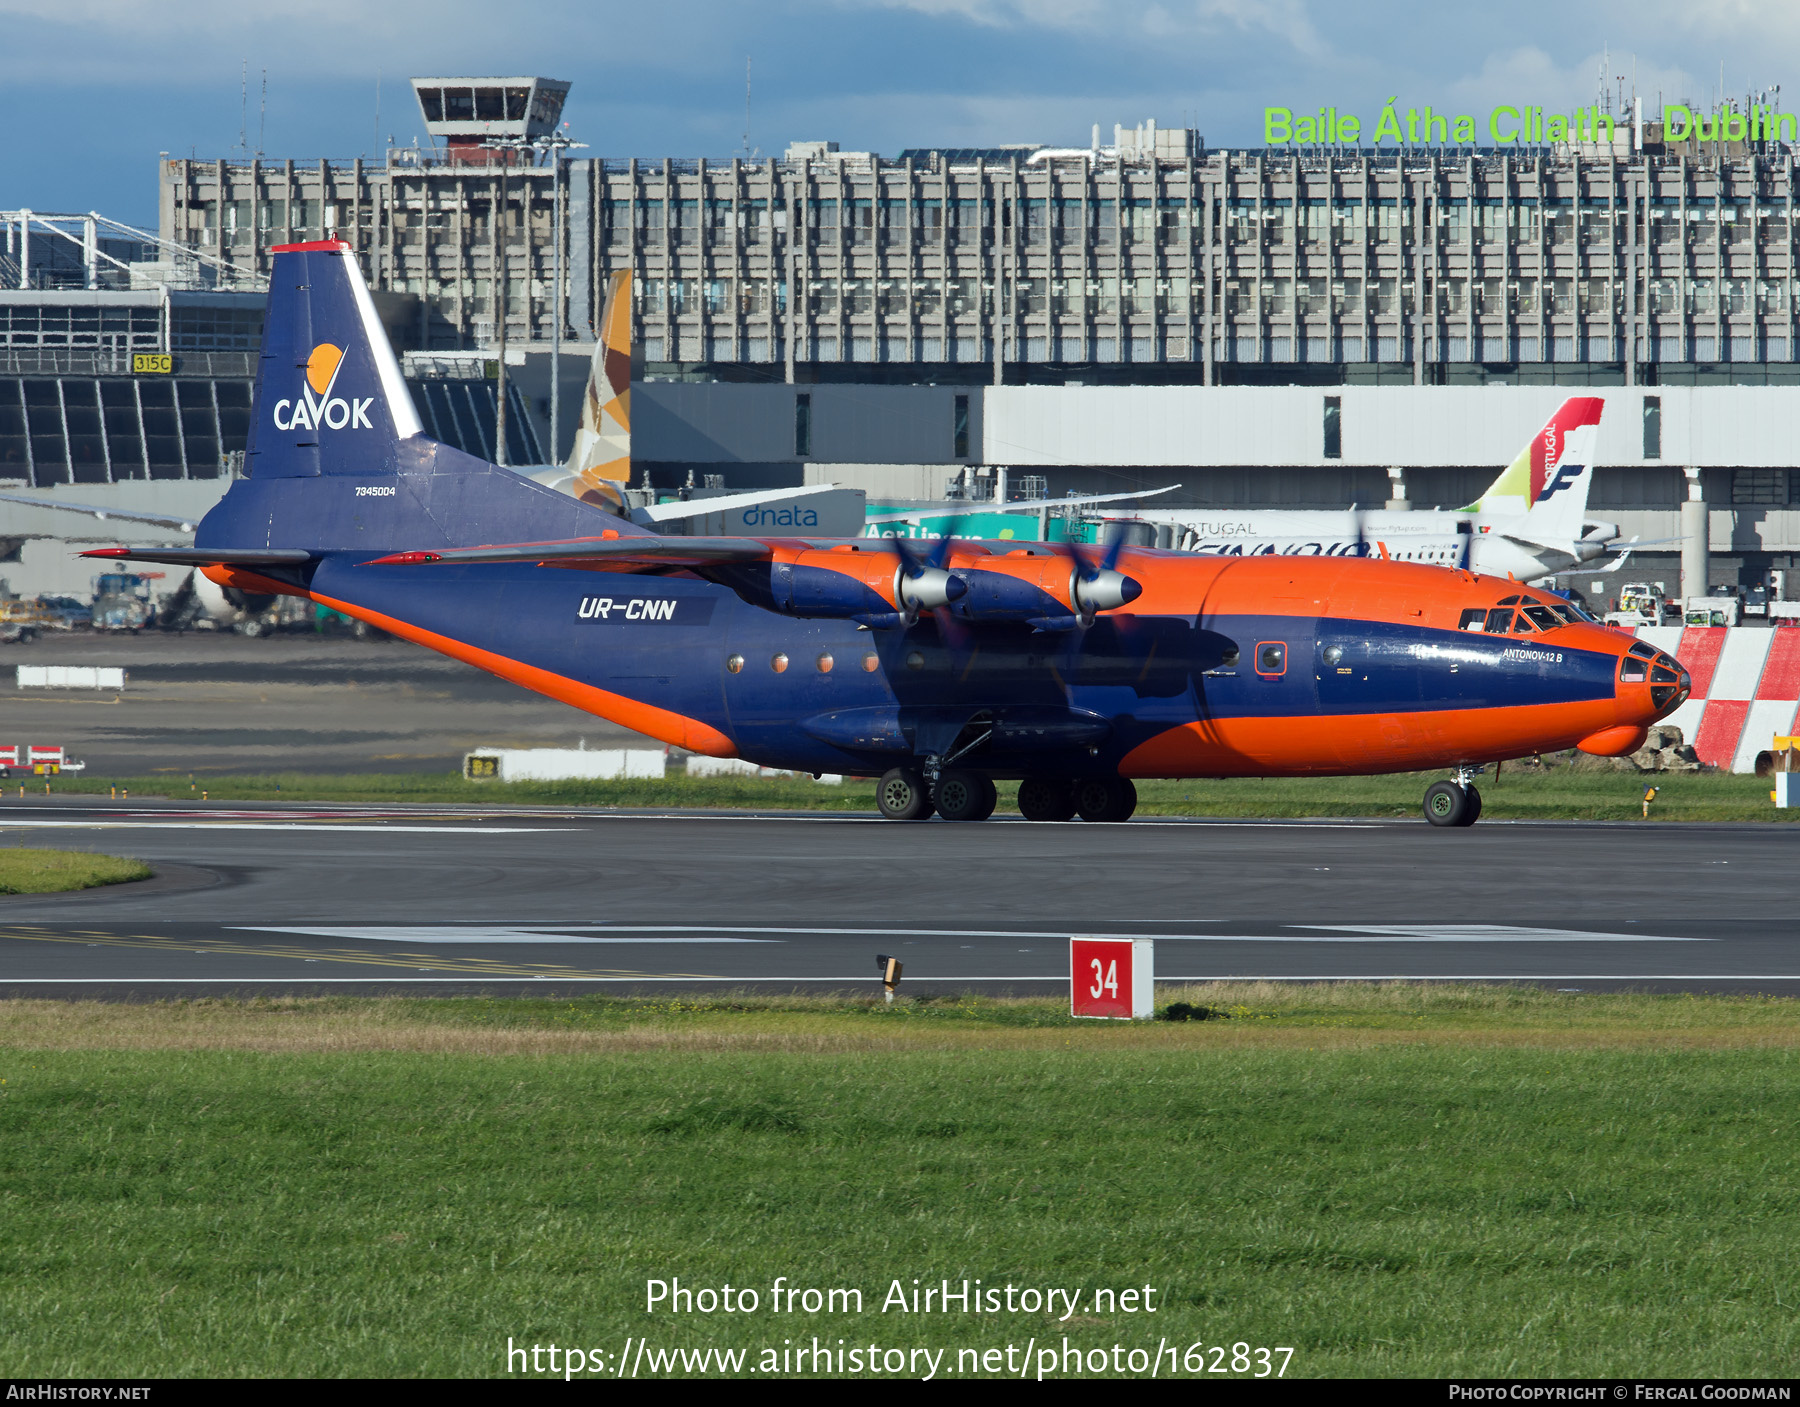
786,515
317,406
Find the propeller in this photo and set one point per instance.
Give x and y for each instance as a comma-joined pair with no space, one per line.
921,582
1099,585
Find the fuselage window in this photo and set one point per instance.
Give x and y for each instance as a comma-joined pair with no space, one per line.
1271,658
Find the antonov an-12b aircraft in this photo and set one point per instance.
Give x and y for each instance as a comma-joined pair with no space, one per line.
937,667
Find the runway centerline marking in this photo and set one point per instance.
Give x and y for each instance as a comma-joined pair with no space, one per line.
550,933
656,933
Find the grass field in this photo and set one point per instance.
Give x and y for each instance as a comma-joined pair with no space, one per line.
55,871
1549,794
1388,1180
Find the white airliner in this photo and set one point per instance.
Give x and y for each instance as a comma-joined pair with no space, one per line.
1530,523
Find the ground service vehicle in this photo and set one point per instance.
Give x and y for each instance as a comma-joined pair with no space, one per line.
938,666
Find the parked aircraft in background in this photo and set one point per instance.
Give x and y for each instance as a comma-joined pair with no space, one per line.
598,469
1530,523
1072,668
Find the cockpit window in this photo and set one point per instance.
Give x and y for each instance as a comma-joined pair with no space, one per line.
1509,600
1499,620
1475,619
1541,616
1564,611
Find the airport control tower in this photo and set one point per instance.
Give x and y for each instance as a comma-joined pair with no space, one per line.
484,121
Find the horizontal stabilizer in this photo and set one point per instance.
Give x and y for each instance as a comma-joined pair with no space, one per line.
208,556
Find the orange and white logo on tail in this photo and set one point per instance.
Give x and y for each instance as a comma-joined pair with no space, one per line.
316,406
599,466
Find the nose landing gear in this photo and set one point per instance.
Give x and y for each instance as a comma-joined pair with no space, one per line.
1454,802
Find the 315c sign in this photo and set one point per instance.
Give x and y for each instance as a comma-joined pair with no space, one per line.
152,364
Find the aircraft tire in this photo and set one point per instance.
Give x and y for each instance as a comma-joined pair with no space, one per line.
1047,799
901,795
1446,804
964,796
1471,812
1105,799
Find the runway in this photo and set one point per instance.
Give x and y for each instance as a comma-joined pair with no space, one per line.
289,899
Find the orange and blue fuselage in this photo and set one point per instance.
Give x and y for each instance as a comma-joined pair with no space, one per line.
1223,667
1017,660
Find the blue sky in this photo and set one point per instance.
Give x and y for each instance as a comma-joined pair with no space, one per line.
92,90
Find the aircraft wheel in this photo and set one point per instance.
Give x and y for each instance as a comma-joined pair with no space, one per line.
964,796
1105,799
1046,799
1472,812
901,796
1446,804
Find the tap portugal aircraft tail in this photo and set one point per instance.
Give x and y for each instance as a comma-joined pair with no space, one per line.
1547,483
337,459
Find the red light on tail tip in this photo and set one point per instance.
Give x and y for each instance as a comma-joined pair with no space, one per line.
405,559
113,552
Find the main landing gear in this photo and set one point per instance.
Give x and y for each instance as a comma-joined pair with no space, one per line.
1092,798
904,795
1454,802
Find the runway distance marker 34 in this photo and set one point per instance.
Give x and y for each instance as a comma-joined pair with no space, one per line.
937,667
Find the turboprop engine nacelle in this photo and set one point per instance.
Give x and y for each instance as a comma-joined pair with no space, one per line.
1104,591
927,588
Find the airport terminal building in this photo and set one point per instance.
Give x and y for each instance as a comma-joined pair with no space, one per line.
1263,327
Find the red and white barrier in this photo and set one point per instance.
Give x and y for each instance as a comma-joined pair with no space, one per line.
1746,688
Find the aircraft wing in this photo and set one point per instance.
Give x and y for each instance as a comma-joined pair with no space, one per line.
1030,505
604,552
124,515
725,503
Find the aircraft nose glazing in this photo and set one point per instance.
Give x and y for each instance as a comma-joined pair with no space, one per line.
1653,681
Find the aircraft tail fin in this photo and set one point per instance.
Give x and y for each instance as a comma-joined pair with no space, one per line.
337,458
1550,478
330,396
599,465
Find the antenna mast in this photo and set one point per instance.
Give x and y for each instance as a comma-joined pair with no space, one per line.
747,151
262,114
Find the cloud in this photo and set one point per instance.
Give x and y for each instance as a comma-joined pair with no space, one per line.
1282,19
